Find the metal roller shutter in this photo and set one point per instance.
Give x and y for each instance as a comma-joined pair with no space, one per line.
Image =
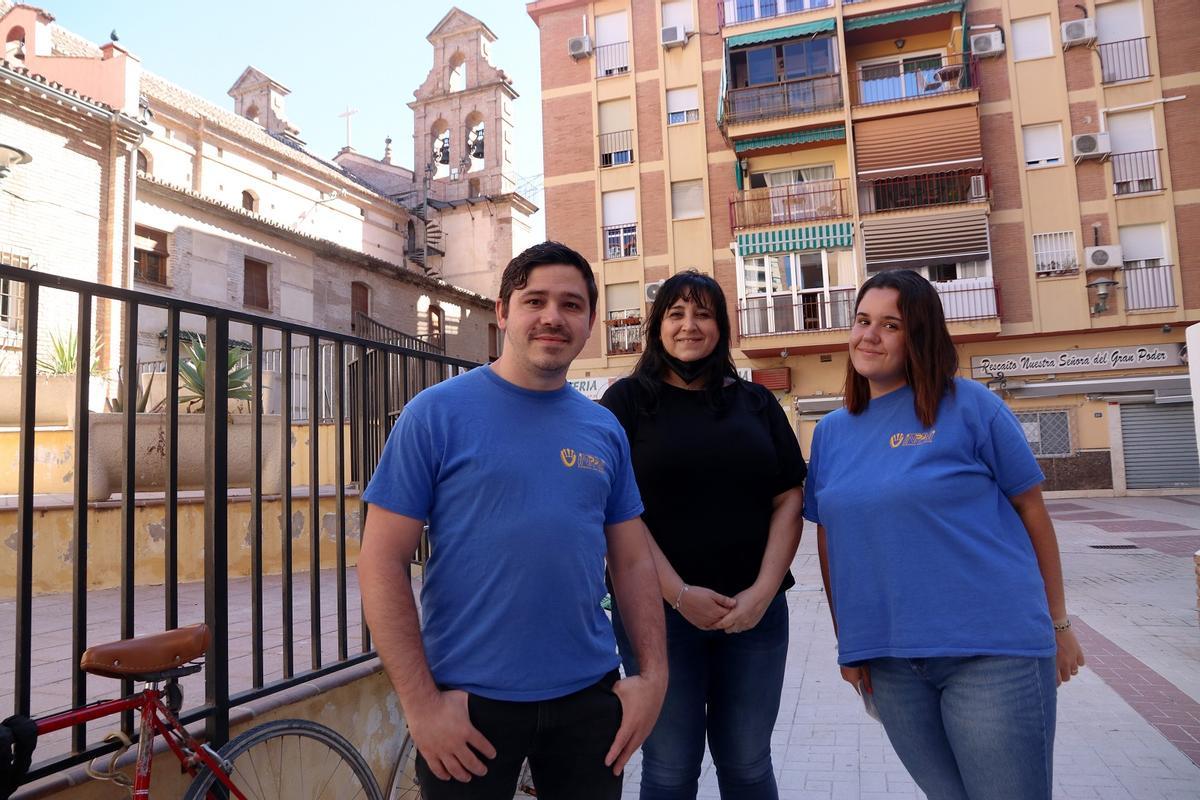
1160,446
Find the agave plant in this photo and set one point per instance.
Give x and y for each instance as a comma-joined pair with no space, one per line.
61,360
117,404
191,375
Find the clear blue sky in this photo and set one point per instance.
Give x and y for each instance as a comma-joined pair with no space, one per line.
369,55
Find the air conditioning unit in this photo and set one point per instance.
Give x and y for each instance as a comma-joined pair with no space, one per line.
987,44
652,290
1078,31
1090,145
978,192
674,36
1105,257
579,47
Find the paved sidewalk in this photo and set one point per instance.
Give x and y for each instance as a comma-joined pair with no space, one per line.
1128,725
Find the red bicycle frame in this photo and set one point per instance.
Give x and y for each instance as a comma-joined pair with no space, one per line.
155,719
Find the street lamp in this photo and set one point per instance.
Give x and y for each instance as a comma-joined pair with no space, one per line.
1103,287
11,156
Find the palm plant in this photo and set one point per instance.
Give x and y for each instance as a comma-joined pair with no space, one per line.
191,375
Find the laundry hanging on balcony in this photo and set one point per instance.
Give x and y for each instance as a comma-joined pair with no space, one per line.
918,144
915,241
788,240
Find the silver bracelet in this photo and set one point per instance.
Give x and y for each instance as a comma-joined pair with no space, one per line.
679,597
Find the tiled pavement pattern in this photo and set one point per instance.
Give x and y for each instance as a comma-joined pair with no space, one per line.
1137,610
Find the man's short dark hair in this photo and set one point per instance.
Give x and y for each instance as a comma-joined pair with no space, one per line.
516,274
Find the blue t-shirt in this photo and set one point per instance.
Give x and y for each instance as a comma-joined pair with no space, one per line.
517,487
927,555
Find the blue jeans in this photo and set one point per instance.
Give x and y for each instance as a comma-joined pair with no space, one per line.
725,686
978,728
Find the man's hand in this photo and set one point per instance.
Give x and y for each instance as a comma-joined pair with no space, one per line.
444,735
859,677
749,607
704,608
641,700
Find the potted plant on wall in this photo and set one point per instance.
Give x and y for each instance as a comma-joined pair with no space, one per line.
106,464
55,372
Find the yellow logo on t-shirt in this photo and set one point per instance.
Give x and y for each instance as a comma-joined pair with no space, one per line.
570,459
911,439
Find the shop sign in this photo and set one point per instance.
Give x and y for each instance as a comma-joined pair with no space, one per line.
1091,360
591,388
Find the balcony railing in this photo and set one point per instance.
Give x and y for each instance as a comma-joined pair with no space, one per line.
616,148
896,81
786,99
793,202
969,298
1148,285
735,12
1136,172
620,241
922,191
1125,60
624,332
809,311
612,59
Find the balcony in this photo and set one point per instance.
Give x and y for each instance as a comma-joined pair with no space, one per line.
793,202
624,333
807,311
1136,172
911,79
736,12
612,59
616,149
1125,60
969,299
1148,285
620,241
784,99
922,191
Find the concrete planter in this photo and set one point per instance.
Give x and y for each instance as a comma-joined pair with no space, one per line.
55,399
106,460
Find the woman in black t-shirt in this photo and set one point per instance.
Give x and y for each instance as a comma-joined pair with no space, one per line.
720,473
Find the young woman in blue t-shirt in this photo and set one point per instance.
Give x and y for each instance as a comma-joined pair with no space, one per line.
938,555
720,473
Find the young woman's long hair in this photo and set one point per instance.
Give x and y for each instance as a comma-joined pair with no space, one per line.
930,361
705,292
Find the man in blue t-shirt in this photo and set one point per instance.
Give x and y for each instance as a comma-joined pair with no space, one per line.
528,491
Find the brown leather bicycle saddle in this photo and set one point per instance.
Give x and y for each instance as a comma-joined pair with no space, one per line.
146,655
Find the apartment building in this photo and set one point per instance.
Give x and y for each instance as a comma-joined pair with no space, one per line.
1017,153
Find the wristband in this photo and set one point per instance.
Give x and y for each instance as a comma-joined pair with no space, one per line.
679,597
1061,625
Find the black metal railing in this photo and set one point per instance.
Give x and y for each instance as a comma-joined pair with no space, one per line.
370,381
624,334
1125,60
1148,285
616,148
620,241
370,328
924,76
1136,172
793,202
922,191
786,99
612,59
735,12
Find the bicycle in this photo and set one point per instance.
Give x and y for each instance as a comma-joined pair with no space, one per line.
259,764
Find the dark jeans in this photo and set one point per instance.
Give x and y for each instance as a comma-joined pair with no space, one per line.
565,740
723,686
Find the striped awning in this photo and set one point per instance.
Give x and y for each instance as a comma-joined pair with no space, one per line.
888,17
914,241
777,34
787,240
830,133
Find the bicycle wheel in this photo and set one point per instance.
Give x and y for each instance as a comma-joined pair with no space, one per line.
403,785
290,759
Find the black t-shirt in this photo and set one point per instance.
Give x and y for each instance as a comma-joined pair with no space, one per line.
708,477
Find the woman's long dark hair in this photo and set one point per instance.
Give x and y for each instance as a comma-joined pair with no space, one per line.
930,360
705,292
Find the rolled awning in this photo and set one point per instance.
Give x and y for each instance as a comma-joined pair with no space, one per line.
936,141
787,240
778,34
832,132
914,241
888,17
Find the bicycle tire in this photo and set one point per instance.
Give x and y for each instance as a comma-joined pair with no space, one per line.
403,783
347,778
